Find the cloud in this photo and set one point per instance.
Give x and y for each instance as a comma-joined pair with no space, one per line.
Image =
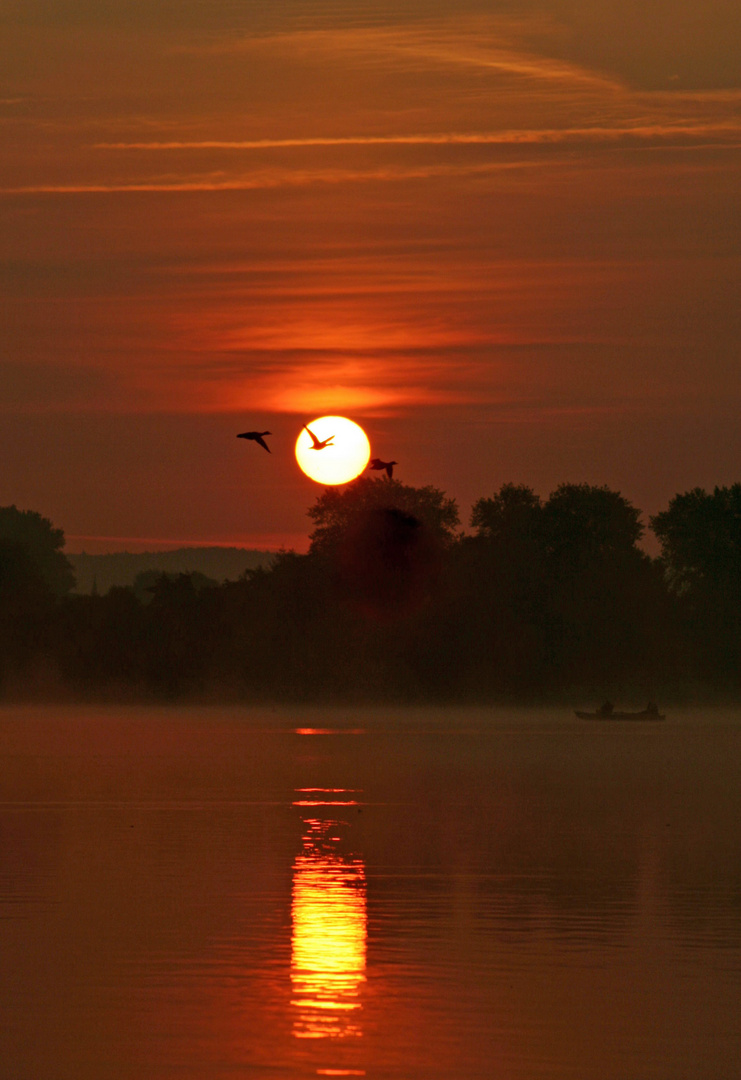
729,132
475,41
723,135
266,180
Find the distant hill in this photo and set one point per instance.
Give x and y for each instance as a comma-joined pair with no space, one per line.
122,567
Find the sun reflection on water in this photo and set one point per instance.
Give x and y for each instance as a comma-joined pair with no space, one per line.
329,935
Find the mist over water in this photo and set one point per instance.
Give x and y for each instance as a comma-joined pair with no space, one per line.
221,893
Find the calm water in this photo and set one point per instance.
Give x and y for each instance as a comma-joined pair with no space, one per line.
223,893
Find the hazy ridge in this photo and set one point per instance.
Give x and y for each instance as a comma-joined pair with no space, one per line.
122,567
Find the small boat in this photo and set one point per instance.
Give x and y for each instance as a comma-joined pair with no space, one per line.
613,714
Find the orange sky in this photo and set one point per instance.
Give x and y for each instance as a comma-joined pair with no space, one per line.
503,237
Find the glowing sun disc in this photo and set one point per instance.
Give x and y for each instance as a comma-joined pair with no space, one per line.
342,459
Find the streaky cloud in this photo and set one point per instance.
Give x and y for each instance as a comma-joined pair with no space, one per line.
446,43
514,137
267,181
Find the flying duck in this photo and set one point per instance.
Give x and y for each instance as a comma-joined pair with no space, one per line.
256,436
319,444
376,463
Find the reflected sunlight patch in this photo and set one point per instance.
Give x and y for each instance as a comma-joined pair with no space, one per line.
328,731
326,797
326,802
340,1072
328,947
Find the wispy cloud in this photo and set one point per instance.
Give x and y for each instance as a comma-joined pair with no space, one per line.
688,136
465,41
299,381
267,180
729,132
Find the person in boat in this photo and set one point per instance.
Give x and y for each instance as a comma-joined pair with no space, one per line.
606,709
652,709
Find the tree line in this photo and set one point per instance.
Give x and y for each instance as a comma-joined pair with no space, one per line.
543,599
99,573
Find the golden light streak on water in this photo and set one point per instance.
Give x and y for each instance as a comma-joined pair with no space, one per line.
329,936
328,731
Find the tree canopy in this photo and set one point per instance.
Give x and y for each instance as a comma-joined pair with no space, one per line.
586,521
700,537
340,509
548,597
43,543
514,513
385,541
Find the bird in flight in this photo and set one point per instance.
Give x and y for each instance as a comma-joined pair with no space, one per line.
376,463
256,436
319,444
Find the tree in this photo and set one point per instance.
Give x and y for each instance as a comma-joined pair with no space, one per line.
43,543
22,587
501,577
340,509
601,585
558,591
585,523
511,516
160,583
25,604
700,537
383,543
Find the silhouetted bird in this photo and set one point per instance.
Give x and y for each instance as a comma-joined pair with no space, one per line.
319,444
256,436
376,463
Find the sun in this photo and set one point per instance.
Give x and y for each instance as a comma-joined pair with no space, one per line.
343,458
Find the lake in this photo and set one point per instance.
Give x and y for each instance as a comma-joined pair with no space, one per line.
203,893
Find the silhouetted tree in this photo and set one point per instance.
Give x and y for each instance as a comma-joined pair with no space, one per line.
23,587
384,542
26,601
584,523
101,642
545,597
601,585
340,508
501,575
43,542
511,518
558,592
177,659
700,537
149,582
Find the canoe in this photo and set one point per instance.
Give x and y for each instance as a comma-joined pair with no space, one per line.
642,715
